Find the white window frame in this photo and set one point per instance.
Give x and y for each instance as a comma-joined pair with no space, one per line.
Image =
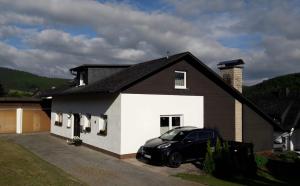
184,80
85,120
69,120
102,127
81,80
58,119
170,120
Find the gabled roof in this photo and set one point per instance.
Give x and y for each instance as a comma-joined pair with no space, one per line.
129,76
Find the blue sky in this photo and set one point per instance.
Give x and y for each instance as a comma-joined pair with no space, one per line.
48,37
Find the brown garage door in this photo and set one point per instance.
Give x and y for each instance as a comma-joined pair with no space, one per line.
35,120
7,120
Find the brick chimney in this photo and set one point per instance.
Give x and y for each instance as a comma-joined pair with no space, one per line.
232,74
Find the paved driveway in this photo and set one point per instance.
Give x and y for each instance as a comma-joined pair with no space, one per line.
92,167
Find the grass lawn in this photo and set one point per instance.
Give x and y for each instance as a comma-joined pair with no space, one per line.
18,166
263,179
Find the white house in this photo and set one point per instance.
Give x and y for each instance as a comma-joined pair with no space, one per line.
116,108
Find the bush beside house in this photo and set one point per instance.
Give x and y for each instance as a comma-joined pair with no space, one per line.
230,159
272,169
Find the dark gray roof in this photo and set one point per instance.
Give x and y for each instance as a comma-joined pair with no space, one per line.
124,78
127,77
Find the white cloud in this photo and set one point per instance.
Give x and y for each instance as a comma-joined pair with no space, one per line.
198,7
125,35
12,17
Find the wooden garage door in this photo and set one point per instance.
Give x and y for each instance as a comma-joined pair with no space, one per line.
35,120
7,120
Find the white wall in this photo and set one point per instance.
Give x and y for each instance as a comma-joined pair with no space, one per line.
132,119
140,116
60,130
94,105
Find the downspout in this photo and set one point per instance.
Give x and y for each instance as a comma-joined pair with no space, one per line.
292,131
291,145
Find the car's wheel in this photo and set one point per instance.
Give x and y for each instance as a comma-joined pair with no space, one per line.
175,159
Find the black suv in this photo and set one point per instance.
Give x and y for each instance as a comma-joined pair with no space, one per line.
181,144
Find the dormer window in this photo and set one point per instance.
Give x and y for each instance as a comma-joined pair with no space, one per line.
180,79
81,79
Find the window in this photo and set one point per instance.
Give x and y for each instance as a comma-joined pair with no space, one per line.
69,121
169,122
82,78
102,125
85,122
58,119
180,80
175,121
164,122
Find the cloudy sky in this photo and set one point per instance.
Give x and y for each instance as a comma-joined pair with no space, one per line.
47,37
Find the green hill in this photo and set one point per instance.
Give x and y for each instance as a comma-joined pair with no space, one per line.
279,97
15,81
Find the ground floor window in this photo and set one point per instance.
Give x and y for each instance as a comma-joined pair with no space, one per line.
85,122
58,119
69,121
167,122
102,125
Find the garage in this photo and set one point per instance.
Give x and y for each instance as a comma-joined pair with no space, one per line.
35,120
24,115
7,120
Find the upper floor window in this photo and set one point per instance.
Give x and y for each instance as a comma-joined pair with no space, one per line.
180,79
81,79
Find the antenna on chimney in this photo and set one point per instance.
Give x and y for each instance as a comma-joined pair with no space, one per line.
168,53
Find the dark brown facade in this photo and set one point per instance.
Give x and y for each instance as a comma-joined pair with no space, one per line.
256,130
219,105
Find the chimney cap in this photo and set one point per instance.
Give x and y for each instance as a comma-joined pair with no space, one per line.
232,63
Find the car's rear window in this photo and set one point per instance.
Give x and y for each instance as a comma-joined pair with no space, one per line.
174,135
205,135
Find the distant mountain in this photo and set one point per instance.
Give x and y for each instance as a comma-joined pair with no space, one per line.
279,97
20,83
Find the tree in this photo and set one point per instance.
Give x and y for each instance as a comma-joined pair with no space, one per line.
218,147
2,91
209,164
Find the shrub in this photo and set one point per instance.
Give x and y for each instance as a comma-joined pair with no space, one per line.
223,161
227,160
2,91
209,165
218,147
261,161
